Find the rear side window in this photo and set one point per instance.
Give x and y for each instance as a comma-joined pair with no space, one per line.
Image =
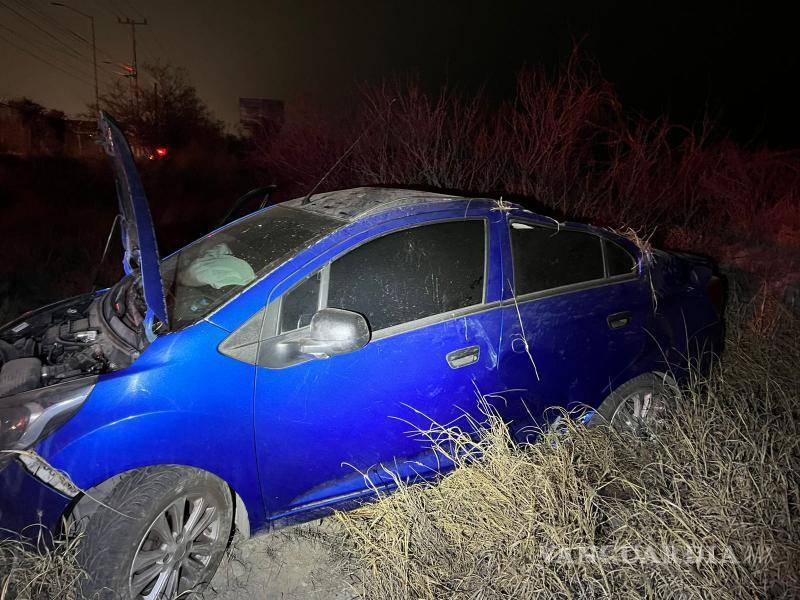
619,261
546,258
412,274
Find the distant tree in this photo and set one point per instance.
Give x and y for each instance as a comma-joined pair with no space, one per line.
26,106
167,110
47,126
30,109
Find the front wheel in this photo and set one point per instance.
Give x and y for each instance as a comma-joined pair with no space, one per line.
638,404
161,533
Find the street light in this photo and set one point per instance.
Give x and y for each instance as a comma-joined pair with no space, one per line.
94,49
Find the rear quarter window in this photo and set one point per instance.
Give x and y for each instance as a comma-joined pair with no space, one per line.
547,258
619,260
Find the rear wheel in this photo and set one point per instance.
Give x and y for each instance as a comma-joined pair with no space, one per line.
161,534
638,404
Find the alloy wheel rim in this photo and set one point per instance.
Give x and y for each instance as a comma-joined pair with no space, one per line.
640,410
176,549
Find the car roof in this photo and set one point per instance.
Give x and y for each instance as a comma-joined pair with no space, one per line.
357,203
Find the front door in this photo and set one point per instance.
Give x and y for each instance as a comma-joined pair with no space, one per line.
328,430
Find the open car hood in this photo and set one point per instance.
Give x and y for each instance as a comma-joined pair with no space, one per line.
138,234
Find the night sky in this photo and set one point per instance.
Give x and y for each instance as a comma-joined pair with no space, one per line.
739,60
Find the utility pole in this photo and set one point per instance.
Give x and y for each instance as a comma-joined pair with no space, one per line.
133,23
94,50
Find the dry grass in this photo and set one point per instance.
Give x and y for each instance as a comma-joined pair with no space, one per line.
42,569
706,506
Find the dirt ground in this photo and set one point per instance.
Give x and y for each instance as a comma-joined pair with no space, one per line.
286,565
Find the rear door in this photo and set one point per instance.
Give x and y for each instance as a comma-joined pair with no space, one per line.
327,430
575,323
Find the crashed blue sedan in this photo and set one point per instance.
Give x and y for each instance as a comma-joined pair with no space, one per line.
277,368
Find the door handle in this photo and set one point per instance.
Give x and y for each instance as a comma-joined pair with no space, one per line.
619,320
463,357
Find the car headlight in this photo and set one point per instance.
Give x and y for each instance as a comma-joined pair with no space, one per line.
28,417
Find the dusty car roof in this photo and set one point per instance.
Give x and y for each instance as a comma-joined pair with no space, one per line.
352,204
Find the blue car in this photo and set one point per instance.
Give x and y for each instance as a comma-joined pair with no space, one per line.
276,369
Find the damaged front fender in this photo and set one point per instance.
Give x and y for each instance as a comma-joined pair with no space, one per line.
27,504
47,474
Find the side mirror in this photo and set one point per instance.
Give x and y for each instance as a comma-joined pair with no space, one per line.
335,331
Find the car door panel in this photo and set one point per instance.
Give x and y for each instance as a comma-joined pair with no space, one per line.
573,357
329,430
566,347
322,425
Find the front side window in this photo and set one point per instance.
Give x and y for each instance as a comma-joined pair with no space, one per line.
397,278
547,258
300,304
412,274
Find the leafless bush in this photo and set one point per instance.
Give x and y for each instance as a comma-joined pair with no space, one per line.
563,141
557,131
308,143
447,140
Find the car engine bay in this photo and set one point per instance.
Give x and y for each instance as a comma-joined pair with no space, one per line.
86,335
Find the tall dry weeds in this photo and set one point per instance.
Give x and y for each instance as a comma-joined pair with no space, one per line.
41,568
707,505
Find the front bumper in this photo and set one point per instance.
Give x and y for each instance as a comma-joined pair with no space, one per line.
27,504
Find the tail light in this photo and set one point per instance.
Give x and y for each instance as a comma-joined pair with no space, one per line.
715,288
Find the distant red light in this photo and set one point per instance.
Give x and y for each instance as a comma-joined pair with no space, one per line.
161,152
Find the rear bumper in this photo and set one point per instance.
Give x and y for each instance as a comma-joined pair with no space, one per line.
26,503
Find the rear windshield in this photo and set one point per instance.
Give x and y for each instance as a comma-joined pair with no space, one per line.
204,275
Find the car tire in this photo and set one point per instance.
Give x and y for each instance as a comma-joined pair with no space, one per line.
160,532
637,405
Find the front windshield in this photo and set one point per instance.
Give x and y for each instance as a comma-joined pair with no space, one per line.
207,273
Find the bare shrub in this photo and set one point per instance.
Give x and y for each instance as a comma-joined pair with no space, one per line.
743,186
445,140
309,141
564,142
557,131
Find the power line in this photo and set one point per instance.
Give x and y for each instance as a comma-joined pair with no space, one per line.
109,74
58,60
116,9
149,33
104,8
54,23
50,54
40,48
40,28
37,12
133,8
42,43
45,61
70,52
